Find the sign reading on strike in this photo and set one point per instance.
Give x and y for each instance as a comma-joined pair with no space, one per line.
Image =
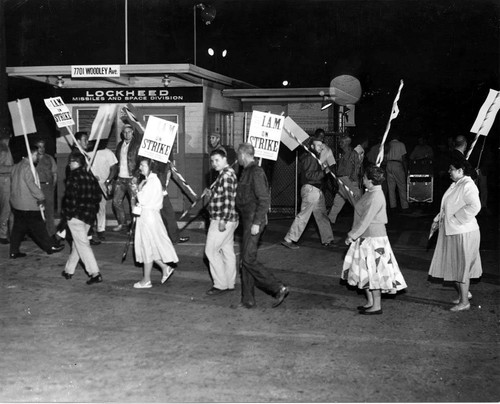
265,134
59,111
158,139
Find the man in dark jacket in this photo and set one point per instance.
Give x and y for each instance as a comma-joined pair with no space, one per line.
79,208
253,200
313,200
27,201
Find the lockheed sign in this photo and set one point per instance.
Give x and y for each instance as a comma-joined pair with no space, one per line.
120,95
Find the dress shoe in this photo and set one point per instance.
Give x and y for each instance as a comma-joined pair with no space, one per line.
460,307
370,313
120,227
170,271
4,241
363,307
456,301
242,305
281,295
94,241
139,285
66,275
17,255
95,279
328,244
55,249
290,244
183,239
101,236
215,291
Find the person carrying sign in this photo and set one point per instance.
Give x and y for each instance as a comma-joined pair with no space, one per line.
151,242
313,200
27,200
219,248
79,209
253,200
347,171
126,154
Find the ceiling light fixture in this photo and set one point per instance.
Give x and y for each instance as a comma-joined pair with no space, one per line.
327,102
166,80
60,82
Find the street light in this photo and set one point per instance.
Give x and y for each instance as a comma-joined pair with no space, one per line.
207,16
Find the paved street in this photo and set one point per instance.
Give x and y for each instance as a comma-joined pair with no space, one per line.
62,340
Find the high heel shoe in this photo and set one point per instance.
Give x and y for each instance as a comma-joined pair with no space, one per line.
456,301
170,271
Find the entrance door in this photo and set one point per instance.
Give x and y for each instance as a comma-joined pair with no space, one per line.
176,115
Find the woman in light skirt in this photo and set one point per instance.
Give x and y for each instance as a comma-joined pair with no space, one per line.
456,257
151,242
370,263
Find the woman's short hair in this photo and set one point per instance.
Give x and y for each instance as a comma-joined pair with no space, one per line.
375,174
464,164
152,164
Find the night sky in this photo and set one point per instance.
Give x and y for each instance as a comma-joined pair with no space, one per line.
447,52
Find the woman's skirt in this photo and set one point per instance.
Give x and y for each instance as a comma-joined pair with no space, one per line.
371,264
151,242
456,257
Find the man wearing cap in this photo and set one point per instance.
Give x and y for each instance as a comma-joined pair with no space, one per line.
126,154
313,200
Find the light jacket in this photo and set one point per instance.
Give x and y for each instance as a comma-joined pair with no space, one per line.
24,193
370,215
459,206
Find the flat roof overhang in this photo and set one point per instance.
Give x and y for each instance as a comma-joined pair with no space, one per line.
150,75
312,94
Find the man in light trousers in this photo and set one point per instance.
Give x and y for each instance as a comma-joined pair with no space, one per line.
223,222
313,200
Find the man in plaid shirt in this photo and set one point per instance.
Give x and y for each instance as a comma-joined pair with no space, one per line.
79,208
223,222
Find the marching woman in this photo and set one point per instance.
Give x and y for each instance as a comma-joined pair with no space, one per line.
370,263
151,242
456,257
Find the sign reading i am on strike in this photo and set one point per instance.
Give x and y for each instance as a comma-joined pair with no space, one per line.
265,134
59,111
158,139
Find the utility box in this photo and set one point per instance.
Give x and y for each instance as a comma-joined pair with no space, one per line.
420,188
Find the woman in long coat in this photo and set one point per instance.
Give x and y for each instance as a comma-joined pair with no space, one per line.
456,257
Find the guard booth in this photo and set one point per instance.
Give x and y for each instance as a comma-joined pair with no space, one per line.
182,93
304,106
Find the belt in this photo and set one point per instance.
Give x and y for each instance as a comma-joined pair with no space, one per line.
396,161
44,182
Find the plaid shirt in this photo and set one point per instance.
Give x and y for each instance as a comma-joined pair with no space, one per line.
222,205
82,196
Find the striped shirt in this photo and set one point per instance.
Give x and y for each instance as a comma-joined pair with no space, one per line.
222,205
